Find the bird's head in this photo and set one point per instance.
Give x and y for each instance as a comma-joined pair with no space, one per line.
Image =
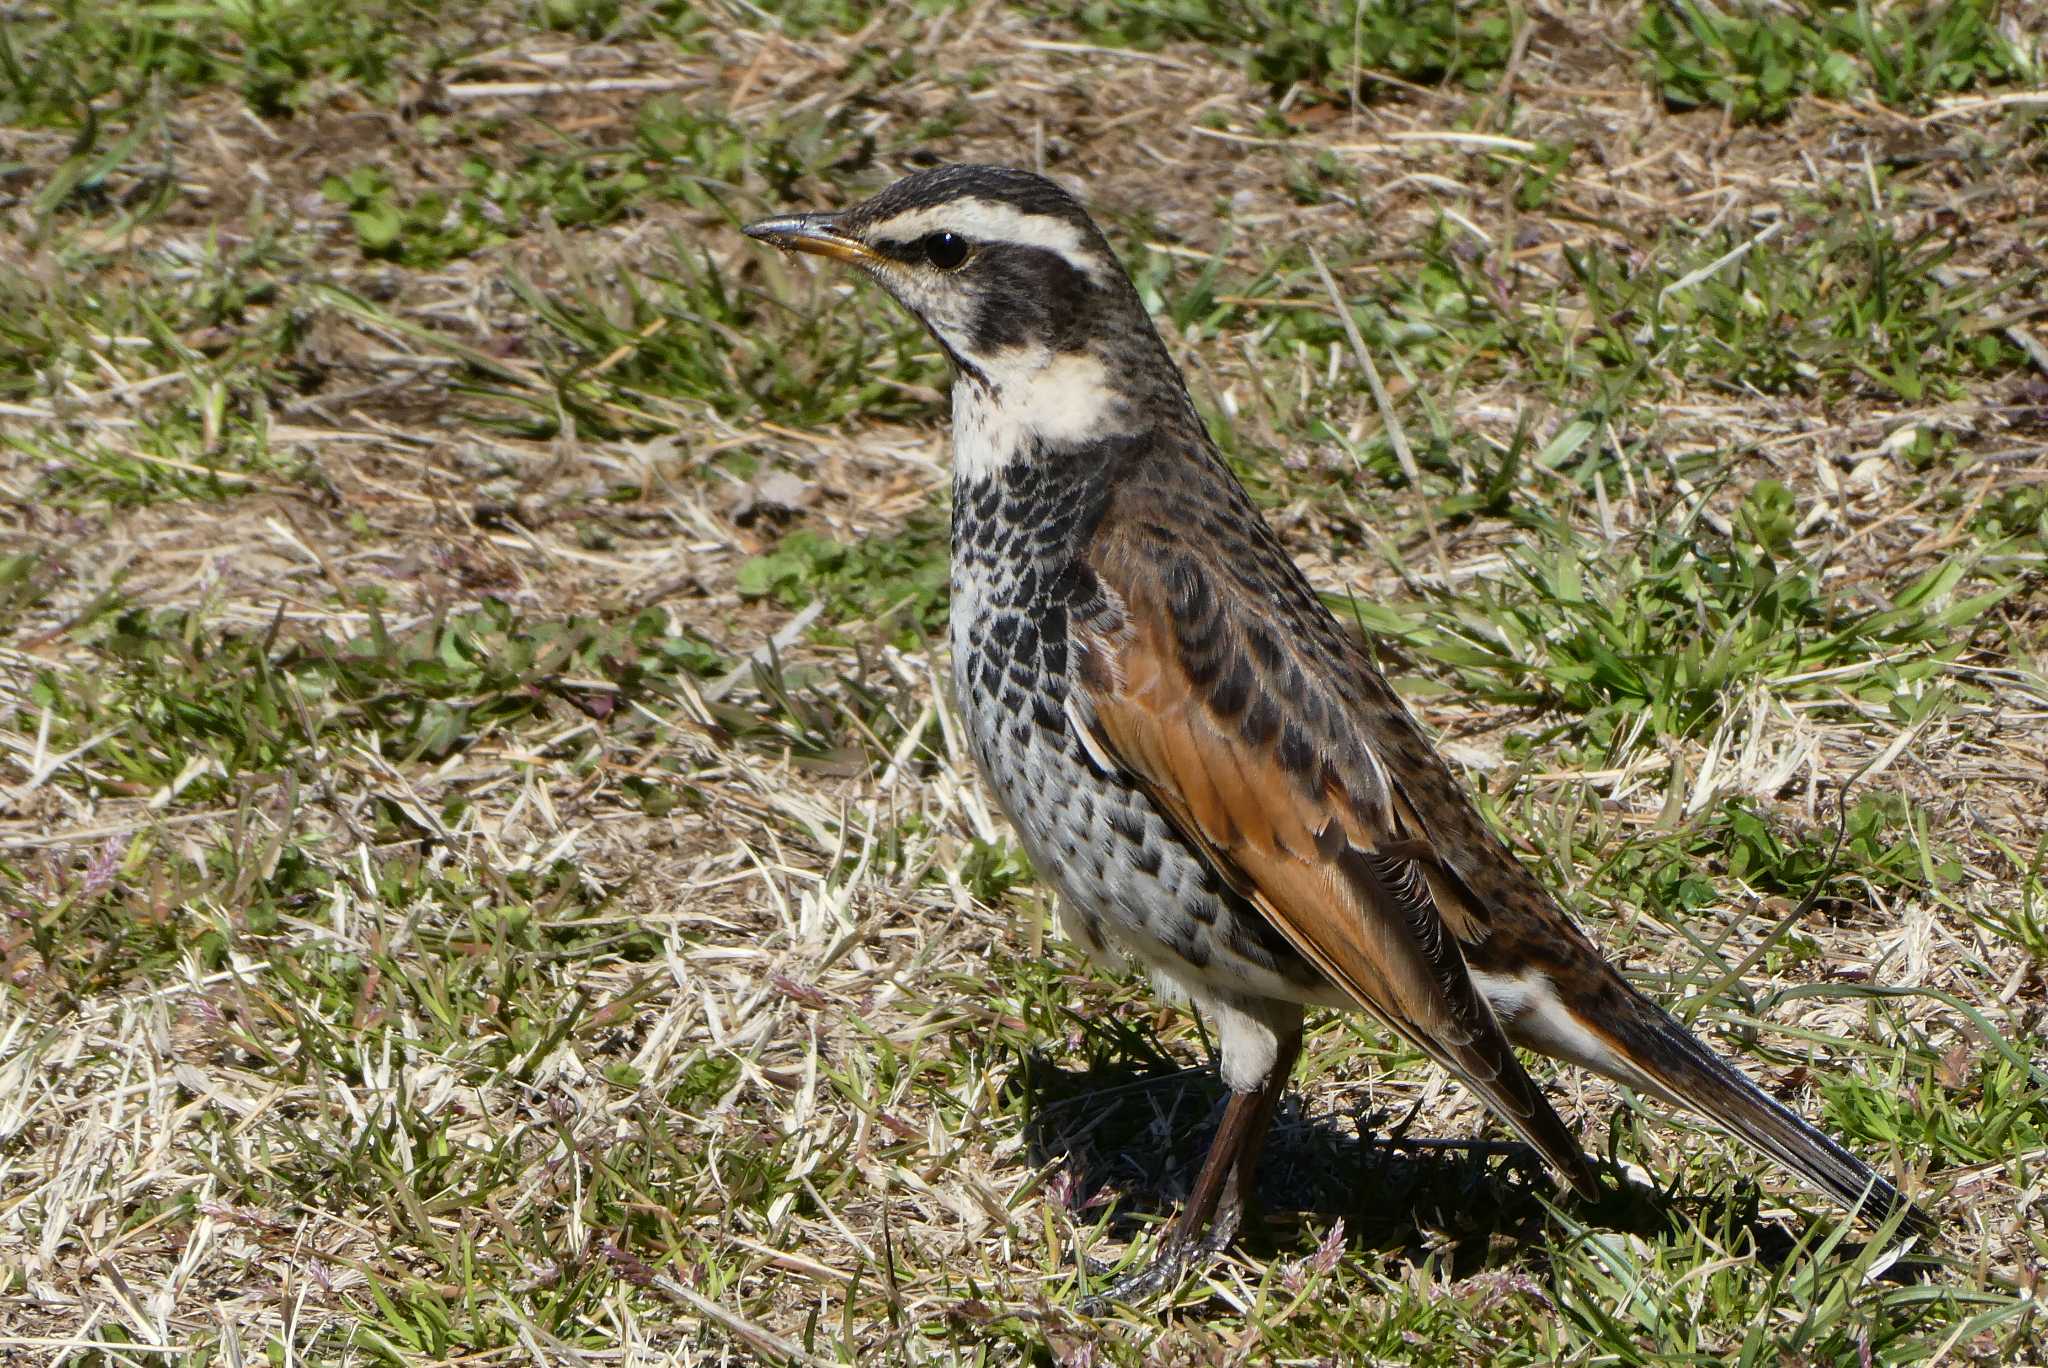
1004,267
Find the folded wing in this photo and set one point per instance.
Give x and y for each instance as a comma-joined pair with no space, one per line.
1294,811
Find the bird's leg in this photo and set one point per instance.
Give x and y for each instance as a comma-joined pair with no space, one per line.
1243,1191
1226,1185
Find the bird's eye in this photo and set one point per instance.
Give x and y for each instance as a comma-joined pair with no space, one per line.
945,250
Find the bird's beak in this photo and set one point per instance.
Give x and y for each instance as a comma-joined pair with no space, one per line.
815,233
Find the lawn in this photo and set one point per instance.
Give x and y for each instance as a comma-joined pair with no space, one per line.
489,872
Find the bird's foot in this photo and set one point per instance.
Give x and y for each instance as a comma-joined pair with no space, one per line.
1179,1254
1165,1272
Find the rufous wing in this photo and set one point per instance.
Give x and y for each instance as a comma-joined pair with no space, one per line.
1323,854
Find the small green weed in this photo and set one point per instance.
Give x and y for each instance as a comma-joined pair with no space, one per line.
1840,309
1679,876
899,579
1677,625
690,334
211,707
492,206
84,61
1754,62
1321,45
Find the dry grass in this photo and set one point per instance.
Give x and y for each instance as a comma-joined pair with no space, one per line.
491,872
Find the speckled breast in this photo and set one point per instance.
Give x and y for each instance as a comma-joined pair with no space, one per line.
1127,881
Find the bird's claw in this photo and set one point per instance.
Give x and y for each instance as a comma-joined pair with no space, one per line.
1179,1255
1163,1273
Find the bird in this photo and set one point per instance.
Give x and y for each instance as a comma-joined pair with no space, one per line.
1209,769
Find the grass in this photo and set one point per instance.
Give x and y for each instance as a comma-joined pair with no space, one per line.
489,870
1753,62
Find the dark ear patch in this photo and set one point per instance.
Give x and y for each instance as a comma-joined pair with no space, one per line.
1030,294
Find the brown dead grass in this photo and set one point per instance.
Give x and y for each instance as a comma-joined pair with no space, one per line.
786,940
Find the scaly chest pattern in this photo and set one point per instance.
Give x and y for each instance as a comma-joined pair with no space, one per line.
1126,880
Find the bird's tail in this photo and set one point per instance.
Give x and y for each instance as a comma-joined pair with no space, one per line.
1643,1046
1688,1074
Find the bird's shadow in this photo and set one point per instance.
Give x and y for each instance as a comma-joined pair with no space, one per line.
1135,1134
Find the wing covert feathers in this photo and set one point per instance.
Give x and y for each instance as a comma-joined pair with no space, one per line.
1171,696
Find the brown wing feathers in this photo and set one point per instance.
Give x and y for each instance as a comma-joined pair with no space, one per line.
1312,841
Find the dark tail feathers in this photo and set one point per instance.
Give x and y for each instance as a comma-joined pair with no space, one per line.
1690,1075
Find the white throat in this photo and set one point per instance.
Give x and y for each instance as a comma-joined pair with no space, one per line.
1031,396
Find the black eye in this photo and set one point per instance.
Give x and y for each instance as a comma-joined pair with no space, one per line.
945,250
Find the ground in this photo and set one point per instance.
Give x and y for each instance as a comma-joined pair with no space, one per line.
489,869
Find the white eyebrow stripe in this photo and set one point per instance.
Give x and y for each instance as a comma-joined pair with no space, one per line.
994,221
